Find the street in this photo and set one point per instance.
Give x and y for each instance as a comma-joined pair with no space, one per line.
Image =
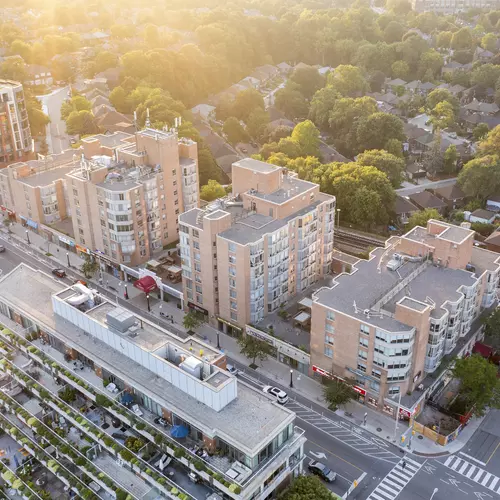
428,185
348,449
57,139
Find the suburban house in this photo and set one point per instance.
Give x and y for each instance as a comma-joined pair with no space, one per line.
483,216
493,203
112,121
492,242
404,209
417,87
425,199
394,84
39,75
205,112
482,55
454,66
284,68
452,195
264,73
112,77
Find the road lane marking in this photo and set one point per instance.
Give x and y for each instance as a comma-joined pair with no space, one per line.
333,454
494,451
472,472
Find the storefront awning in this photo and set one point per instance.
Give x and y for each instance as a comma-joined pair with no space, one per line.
147,284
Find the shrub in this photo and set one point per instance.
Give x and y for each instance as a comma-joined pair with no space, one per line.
126,455
102,401
140,426
198,465
121,495
179,452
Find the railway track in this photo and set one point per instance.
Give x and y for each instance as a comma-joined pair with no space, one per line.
356,240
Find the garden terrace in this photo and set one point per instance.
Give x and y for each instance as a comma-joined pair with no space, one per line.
31,492
111,445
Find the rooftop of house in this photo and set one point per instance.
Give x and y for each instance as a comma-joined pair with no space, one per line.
403,206
290,188
247,420
425,199
481,213
452,192
493,239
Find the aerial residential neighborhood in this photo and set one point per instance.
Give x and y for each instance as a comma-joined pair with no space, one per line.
250,250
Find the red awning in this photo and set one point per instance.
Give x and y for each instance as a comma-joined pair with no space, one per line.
484,350
147,284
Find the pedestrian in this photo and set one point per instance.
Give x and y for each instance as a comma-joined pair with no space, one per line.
403,465
107,283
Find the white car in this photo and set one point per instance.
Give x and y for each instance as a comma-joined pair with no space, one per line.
281,396
232,369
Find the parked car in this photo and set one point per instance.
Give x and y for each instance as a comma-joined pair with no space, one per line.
60,273
2,248
322,471
281,396
232,370
193,477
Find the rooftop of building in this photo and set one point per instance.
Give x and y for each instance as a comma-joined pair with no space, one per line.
456,234
290,188
248,420
46,177
9,83
256,165
484,260
109,140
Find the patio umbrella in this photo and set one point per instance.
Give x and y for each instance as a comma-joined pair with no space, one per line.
179,431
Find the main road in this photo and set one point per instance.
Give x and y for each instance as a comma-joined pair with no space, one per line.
348,449
425,185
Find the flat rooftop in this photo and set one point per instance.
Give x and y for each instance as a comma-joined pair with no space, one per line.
109,140
290,188
456,234
484,260
46,177
256,165
248,420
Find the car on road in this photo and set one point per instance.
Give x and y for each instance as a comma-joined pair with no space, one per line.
2,248
232,370
322,471
281,396
60,273
244,150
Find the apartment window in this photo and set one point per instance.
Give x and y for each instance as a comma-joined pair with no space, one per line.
234,316
328,352
232,293
232,282
231,247
78,212
175,193
329,328
79,222
363,342
330,315
174,172
111,226
364,329
189,284
232,259
232,270
362,354
177,213
80,231
196,233
376,373
196,245
378,361
198,289
75,192
199,299
394,390
121,196
328,339
234,305
362,366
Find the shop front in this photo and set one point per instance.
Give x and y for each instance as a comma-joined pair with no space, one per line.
28,223
229,328
106,264
324,376
8,213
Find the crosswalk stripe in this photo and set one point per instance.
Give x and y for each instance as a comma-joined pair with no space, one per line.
471,471
486,479
386,490
384,493
395,485
449,460
376,497
478,475
494,483
396,480
456,464
410,461
462,469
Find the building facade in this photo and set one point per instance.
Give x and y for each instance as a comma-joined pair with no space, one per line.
245,255
453,6
15,134
391,321
250,442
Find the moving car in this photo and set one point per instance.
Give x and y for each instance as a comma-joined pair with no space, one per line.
232,370
60,273
322,471
2,248
281,396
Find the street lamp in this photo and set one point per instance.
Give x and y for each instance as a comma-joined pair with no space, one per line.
397,416
338,217
291,378
147,298
28,237
125,293
67,256
218,341
433,493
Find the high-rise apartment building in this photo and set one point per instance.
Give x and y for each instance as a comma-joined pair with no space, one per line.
15,134
245,255
247,444
389,322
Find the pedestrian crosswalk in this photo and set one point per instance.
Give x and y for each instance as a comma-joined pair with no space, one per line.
392,484
474,473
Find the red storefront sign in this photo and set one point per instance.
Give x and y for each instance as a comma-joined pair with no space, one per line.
324,373
404,413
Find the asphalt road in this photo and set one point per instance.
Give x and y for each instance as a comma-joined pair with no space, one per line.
57,139
429,185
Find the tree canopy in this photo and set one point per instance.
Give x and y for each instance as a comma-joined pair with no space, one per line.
307,488
386,162
422,217
212,191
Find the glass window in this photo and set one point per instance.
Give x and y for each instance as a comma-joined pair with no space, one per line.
363,342
329,328
328,352
328,339
364,329
362,354
330,315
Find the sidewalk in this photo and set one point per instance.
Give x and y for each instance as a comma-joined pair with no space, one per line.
377,423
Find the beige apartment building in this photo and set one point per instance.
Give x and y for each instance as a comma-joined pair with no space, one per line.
246,254
123,192
390,321
453,6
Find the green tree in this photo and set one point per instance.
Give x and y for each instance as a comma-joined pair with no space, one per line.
367,207
492,328
400,69
14,68
374,132
376,80
480,131
462,39
479,384
76,103
192,320
386,162
90,266
443,39
442,95
450,159
105,60
37,118
234,131
306,488
254,349
442,115
291,102
394,32
308,81
23,49
491,144
421,218
257,124
118,98
321,105
480,177
306,135
246,102
489,42
212,191
347,80
430,63
339,393
280,132
81,123
486,75
207,166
